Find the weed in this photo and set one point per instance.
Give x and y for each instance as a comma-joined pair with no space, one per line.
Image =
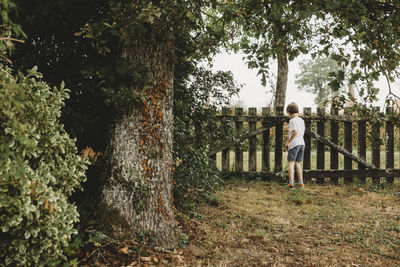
222,225
300,198
260,232
214,200
183,241
197,215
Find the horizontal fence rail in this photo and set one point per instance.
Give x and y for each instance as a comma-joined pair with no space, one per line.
327,134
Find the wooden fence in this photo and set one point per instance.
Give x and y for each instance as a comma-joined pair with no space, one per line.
333,121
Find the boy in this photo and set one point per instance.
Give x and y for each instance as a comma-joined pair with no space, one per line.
295,144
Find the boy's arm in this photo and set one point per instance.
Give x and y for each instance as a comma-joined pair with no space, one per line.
291,139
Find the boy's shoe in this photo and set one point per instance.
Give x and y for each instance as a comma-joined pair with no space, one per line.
290,186
300,185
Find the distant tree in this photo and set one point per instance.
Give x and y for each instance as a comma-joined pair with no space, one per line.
315,76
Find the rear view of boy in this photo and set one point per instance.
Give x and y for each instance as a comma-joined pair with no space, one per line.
295,144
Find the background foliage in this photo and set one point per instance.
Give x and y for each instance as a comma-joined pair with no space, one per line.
197,98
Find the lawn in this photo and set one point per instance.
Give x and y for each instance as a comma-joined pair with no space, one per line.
264,224
258,223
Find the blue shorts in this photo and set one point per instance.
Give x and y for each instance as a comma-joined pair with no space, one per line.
296,153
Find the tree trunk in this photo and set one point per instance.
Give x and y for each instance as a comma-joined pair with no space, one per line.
281,83
137,196
351,95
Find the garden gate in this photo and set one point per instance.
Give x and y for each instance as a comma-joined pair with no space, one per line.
372,168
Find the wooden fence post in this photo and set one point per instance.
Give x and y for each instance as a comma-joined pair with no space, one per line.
320,145
307,140
211,139
226,152
389,144
376,156
362,146
278,140
266,142
348,144
334,133
238,150
252,140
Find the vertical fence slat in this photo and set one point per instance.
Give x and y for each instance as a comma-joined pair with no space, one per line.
238,150
389,144
320,146
307,140
376,156
348,144
252,140
225,152
362,146
334,133
266,142
278,140
211,139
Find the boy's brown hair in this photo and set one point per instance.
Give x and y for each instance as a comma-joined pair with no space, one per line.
292,108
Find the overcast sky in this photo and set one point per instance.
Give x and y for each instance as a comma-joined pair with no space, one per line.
253,94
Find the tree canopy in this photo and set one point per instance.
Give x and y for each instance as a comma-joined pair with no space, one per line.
361,35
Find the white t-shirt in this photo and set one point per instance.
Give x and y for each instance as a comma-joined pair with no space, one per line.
297,124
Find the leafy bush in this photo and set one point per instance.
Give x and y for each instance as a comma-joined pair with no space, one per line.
39,169
195,108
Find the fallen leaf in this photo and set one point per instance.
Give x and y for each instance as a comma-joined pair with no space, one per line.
272,249
124,250
177,259
145,259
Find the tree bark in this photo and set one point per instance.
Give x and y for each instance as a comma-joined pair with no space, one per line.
137,196
281,83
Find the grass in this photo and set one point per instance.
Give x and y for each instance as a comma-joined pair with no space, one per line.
265,224
313,160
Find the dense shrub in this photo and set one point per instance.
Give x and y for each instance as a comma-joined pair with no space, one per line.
39,169
195,108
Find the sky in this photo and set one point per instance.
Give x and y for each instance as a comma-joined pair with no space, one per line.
253,94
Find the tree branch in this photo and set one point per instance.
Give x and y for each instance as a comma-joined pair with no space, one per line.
11,39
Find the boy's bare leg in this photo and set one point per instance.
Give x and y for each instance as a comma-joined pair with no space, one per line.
299,171
291,172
